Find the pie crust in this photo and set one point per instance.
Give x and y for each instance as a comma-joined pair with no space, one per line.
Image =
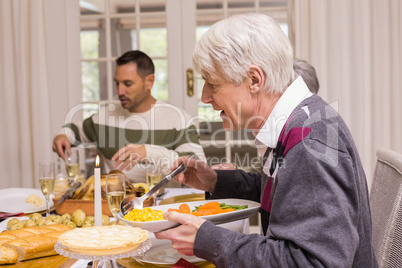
103,240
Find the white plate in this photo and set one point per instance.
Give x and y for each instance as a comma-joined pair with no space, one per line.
3,224
156,226
12,200
162,253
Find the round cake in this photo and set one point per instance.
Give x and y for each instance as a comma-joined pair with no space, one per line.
103,240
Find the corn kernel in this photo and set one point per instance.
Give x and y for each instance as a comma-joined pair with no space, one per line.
145,214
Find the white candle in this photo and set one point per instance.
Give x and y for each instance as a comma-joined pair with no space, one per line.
98,194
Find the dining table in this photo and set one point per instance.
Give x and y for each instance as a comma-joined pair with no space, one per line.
170,195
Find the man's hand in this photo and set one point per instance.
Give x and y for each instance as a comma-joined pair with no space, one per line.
128,156
183,236
198,174
61,143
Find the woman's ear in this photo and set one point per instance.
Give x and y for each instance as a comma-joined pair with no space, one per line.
256,77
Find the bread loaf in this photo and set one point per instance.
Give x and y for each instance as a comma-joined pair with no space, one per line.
30,242
35,246
6,236
8,255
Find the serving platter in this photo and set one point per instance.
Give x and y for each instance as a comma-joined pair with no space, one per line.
156,226
13,200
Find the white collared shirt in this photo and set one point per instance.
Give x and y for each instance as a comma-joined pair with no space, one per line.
269,134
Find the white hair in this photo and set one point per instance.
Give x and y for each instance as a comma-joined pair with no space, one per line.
232,45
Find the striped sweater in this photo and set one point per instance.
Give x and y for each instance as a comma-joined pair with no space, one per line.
166,131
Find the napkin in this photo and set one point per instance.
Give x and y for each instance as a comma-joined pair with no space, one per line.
182,263
4,216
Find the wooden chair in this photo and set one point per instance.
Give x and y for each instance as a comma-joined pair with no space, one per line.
386,208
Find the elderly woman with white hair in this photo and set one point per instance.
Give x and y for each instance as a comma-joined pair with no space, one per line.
312,188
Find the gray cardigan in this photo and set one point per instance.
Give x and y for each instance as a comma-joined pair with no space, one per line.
320,214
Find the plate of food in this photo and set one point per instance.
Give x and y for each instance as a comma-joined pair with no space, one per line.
27,200
246,208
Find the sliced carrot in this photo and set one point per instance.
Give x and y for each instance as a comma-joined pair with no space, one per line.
226,210
184,208
210,205
206,212
173,209
210,208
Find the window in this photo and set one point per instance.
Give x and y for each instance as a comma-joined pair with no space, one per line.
108,29
111,27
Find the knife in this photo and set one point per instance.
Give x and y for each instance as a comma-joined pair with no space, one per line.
69,192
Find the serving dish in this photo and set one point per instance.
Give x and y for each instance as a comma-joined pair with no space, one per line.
70,205
156,226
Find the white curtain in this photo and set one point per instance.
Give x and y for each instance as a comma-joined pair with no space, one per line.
39,81
356,48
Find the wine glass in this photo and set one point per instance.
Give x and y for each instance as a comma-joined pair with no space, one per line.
72,163
115,192
154,176
46,181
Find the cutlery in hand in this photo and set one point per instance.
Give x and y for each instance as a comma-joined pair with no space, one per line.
131,201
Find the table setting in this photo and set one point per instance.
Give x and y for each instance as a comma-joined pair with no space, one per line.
113,190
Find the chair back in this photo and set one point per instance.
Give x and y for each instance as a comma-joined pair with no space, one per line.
386,209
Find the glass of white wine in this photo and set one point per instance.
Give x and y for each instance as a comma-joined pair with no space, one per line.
46,181
72,161
115,192
154,176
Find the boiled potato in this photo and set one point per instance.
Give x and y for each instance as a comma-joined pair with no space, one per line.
90,218
89,221
51,217
28,223
72,224
78,217
35,217
105,219
12,222
66,216
55,218
65,222
17,226
114,223
87,224
49,222
40,221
